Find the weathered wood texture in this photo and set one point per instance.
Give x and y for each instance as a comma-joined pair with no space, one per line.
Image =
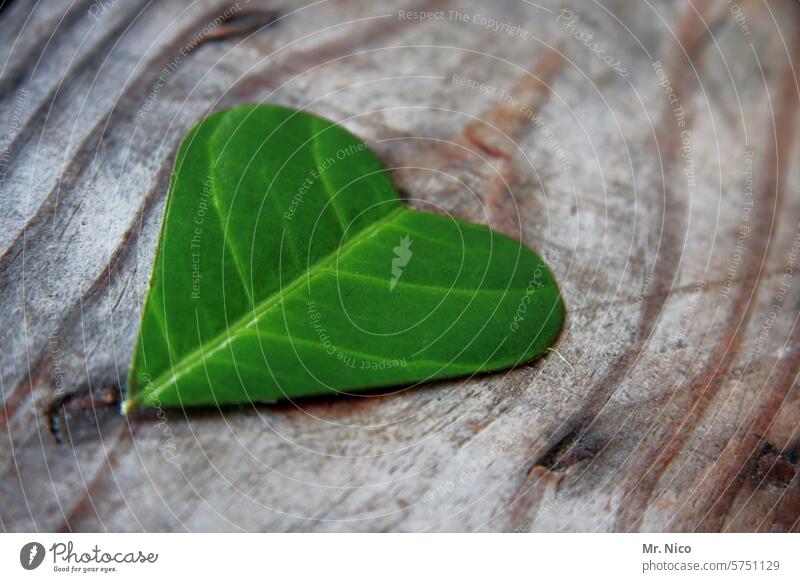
664,190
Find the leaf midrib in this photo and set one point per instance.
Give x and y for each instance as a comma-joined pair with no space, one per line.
198,355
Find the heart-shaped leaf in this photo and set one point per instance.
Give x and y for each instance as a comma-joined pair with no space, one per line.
288,266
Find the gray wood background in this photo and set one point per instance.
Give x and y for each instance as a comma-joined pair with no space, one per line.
647,149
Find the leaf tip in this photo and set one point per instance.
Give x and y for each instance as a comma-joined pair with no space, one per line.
128,405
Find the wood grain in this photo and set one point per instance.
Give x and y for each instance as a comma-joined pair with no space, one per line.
664,191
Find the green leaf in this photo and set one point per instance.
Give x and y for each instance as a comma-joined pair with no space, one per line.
288,266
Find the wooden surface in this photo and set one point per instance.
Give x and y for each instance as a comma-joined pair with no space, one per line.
664,191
